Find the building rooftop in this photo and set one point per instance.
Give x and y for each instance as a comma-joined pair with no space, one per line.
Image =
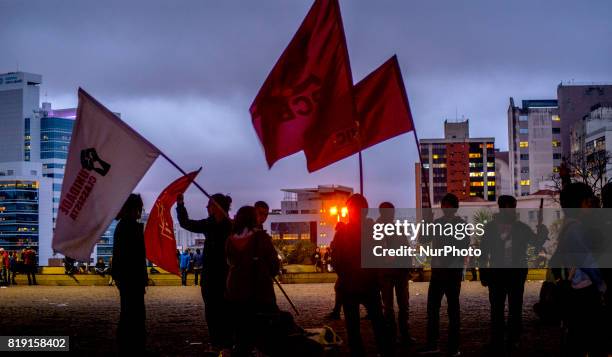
320,189
540,103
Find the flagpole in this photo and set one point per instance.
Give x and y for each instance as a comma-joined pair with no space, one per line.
184,173
360,173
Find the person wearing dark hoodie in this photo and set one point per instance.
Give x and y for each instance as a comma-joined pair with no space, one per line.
356,285
216,229
253,263
130,275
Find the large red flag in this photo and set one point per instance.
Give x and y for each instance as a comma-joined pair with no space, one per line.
310,83
160,243
383,113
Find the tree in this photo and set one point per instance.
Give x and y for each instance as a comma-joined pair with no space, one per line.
589,167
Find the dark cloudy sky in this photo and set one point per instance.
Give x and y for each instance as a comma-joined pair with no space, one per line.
184,73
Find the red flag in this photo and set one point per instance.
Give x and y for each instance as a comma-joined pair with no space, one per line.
160,243
311,82
383,113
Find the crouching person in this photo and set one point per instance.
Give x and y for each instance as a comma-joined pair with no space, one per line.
253,262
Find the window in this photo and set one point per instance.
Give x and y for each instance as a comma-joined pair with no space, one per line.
490,183
476,174
475,155
556,156
524,144
556,169
524,156
524,170
525,182
523,117
555,118
523,131
490,173
556,130
480,183
556,144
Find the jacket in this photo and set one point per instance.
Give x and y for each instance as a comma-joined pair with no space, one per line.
129,257
346,260
185,260
253,263
215,264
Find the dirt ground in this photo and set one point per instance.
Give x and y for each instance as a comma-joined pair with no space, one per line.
176,326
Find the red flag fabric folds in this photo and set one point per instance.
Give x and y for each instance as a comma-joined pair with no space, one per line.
310,83
160,243
383,112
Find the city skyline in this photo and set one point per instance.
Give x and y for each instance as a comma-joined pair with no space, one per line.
207,69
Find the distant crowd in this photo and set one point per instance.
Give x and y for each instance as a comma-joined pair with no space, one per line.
18,262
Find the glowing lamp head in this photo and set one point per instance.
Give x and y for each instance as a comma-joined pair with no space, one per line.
344,212
333,210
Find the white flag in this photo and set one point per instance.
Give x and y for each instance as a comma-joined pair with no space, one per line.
106,160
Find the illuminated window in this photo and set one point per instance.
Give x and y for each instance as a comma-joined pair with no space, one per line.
477,184
491,193
525,183
490,183
490,164
489,146
556,143
524,144
472,193
555,118
556,169
435,156
476,174
475,155
491,173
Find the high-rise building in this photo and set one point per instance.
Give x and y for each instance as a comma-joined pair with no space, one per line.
503,183
457,164
25,209
19,126
575,102
534,142
55,133
591,141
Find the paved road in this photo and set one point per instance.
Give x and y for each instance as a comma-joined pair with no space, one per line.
176,326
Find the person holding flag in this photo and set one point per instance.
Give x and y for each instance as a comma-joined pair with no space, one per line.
130,275
216,228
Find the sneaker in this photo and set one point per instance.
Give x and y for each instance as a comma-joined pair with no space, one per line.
428,350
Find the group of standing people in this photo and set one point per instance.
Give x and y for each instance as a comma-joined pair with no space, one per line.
237,267
14,262
190,262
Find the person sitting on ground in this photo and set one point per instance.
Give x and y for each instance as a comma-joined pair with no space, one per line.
101,267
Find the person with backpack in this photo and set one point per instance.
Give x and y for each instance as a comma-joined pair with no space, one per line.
253,263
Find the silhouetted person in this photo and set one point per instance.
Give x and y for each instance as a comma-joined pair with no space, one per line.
356,285
335,313
216,228
130,275
198,263
504,269
394,279
253,262
262,209
574,262
446,276
606,202
29,262
101,267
